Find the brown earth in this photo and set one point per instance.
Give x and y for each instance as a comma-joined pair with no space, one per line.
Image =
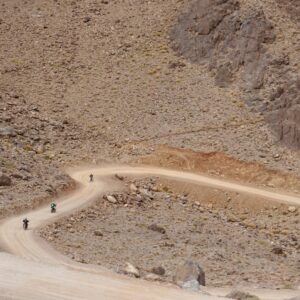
245,244
221,165
86,81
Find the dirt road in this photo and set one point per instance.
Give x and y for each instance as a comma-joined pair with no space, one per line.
33,270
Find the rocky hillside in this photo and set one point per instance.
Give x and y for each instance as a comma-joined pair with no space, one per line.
239,44
83,81
236,245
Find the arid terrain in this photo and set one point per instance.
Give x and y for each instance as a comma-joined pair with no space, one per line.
90,80
156,230
212,87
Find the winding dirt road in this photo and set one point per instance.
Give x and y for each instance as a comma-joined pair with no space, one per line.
31,269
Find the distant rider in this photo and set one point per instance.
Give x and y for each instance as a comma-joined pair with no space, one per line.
25,223
53,207
91,177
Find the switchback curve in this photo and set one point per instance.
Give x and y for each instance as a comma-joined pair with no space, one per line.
42,273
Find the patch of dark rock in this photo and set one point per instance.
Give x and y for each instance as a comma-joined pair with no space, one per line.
158,271
157,228
239,295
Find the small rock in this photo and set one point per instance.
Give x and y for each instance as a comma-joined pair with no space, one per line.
5,180
158,271
146,192
154,189
239,295
120,177
292,209
87,19
49,189
17,175
277,250
7,131
69,226
153,277
232,219
133,188
131,270
157,228
139,198
111,199
98,233
176,64
40,149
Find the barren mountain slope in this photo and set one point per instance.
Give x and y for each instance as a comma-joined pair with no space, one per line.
81,79
241,46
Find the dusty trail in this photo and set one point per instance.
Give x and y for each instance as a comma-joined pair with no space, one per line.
39,272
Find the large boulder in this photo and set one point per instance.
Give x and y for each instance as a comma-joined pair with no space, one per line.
5,180
240,295
189,273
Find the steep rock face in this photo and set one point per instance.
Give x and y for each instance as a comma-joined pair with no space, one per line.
282,110
216,32
236,44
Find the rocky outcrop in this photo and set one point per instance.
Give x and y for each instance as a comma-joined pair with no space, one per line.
235,43
216,32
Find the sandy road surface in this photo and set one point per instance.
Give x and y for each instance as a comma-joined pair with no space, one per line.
33,270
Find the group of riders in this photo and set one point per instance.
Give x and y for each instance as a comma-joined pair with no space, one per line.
52,207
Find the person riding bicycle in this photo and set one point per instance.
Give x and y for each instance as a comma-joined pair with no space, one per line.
25,223
91,177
